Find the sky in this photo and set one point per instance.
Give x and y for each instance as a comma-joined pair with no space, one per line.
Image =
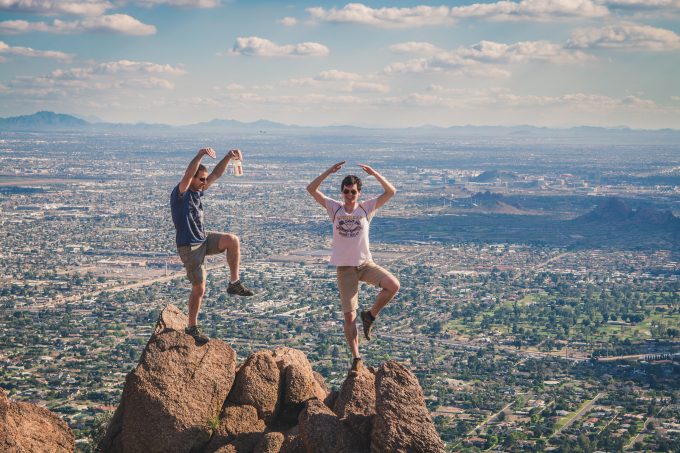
555,63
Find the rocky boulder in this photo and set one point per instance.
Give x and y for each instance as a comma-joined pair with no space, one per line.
183,397
26,427
402,422
355,404
171,397
323,432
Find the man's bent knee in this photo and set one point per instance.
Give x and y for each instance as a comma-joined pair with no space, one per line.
390,284
228,241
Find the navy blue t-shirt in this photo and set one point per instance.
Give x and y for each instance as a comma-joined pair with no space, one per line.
187,215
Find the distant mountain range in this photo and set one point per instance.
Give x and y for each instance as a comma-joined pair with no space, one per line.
50,121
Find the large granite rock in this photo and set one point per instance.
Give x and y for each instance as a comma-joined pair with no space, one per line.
258,383
323,432
402,422
169,400
26,427
355,404
180,398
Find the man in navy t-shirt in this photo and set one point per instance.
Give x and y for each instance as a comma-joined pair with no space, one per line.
193,242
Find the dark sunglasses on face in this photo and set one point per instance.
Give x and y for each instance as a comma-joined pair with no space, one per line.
202,179
347,191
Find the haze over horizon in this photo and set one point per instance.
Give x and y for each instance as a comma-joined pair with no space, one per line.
398,64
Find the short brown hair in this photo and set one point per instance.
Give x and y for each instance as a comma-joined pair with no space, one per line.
200,168
350,180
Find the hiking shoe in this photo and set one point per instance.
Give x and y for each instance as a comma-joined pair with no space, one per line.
367,321
239,289
357,366
198,336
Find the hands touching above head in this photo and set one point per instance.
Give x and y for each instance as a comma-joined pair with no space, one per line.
207,152
368,169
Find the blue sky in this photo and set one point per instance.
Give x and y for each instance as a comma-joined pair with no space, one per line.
555,63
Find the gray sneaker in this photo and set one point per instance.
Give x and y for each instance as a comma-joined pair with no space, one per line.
239,289
198,336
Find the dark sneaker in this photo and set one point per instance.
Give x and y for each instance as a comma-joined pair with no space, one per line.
357,366
198,336
367,321
239,289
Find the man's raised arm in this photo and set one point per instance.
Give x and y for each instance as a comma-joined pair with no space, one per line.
313,187
221,167
388,189
193,168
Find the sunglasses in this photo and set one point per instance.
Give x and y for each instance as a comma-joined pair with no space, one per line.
347,191
202,179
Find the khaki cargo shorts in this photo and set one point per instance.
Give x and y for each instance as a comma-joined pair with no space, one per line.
349,278
193,257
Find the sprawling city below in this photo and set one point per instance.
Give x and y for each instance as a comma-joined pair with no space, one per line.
540,277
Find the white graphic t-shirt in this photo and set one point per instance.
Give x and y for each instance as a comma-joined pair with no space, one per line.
350,232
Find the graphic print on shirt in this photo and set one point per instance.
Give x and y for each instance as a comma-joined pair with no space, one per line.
349,226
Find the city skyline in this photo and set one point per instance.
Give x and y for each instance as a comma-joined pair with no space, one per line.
397,64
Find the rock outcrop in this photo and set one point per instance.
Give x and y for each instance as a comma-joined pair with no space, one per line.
25,427
183,397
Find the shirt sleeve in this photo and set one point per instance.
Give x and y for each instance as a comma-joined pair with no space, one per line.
332,207
369,207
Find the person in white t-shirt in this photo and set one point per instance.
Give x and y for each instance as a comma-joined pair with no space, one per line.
351,253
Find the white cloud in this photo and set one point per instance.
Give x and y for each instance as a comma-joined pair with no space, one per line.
483,58
625,36
103,78
419,16
494,52
113,23
75,7
334,74
412,47
28,52
287,21
260,47
543,10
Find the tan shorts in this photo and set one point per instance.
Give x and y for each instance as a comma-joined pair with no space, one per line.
349,278
193,256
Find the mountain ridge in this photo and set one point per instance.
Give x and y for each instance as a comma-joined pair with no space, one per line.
51,121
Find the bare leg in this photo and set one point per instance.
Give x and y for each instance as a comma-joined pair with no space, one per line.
231,244
351,336
195,299
390,286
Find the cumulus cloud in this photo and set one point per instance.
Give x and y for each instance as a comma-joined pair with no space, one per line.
260,47
112,23
334,74
417,16
74,7
287,21
544,10
28,52
102,77
625,36
340,81
412,47
494,52
483,58
420,16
